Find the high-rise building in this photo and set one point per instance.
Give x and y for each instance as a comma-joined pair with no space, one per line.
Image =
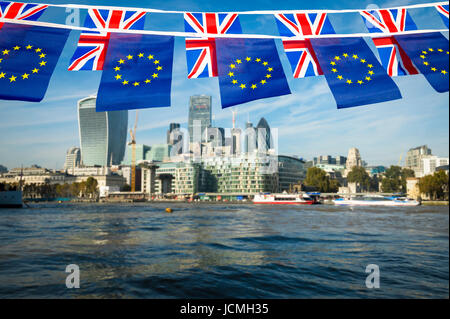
250,138
141,152
102,134
415,155
73,158
236,141
215,136
264,140
199,116
171,137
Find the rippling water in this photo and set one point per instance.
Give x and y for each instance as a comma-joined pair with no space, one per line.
223,251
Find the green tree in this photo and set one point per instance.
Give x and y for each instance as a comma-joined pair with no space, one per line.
318,178
374,184
91,186
435,186
394,180
334,186
359,176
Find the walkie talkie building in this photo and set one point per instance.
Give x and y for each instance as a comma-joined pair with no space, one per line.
103,135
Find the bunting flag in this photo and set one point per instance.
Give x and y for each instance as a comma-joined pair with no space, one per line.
201,52
28,56
429,51
353,73
137,73
21,11
300,54
93,45
443,12
249,69
393,57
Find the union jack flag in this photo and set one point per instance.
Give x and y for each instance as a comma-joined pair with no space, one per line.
443,11
201,52
299,52
21,11
393,57
93,45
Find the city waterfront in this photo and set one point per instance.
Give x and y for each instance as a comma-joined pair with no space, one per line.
223,251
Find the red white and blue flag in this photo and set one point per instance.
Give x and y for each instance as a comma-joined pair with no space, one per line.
299,52
443,12
393,57
93,45
201,52
21,11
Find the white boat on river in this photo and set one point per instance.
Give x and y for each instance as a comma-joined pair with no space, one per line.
375,200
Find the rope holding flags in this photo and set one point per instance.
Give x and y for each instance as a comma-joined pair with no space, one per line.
247,65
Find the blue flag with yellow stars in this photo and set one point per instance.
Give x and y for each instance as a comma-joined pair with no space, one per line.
429,52
28,56
353,73
137,72
249,69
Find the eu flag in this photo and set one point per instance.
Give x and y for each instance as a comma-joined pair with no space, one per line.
429,52
249,69
353,73
28,56
137,73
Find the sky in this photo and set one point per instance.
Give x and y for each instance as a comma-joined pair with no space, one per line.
308,122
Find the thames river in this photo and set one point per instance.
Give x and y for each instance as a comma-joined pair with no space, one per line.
223,251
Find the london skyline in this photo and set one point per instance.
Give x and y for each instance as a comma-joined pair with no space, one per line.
307,120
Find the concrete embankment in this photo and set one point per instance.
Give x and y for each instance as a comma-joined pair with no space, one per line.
435,203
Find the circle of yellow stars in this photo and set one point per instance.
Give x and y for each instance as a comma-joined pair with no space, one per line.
353,57
139,57
424,54
234,66
7,53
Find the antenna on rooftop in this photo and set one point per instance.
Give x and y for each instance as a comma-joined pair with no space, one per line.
234,119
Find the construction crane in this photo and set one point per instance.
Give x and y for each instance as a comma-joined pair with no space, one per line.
400,159
133,154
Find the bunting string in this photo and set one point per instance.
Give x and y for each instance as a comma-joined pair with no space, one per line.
215,35
150,10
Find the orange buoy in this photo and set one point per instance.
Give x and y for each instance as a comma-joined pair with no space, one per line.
168,210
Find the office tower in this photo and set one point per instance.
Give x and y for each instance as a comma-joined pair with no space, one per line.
215,136
199,116
141,153
236,141
250,138
73,158
103,135
171,137
415,155
175,138
264,140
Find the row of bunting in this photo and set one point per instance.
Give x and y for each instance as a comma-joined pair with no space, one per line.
137,68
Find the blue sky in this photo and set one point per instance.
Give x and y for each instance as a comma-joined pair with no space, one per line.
307,120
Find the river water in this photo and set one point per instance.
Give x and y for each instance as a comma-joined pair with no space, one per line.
223,251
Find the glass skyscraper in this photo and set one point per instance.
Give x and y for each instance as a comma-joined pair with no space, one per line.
103,135
199,115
